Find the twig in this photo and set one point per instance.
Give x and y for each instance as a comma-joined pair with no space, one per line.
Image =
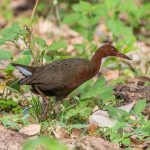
55,3
11,89
33,11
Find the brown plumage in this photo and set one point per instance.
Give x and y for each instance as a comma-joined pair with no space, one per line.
61,77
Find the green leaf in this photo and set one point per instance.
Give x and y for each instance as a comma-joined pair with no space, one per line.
71,113
26,52
118,125
116,26
79,47
15,28
77,8
140,106
49,144
129,6
57,45
97,89
8,37
78,126
146,129
99,83
25,60
86,95
111,5
85,111
9,124
94,20
2,41
10,33
23,32
41,42
4,54
86,6
12,30
99,10
9,69
84,32
107,94
71,18
82,7
84,21
126,141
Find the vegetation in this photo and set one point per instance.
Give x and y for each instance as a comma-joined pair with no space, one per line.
122,22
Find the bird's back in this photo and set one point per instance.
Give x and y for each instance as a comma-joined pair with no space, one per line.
61,73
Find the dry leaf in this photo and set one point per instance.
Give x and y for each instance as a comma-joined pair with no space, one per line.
31,129
127,107
92,129
2,87
101,112
75,133
60,133
134,140
102,119
111,74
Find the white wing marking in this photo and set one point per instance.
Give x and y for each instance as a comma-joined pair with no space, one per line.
24,71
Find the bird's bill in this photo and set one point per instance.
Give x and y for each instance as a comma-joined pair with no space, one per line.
123,56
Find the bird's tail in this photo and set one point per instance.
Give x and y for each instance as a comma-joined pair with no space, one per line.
25,70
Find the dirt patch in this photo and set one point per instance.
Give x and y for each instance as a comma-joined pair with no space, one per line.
10,140
89,143
134,91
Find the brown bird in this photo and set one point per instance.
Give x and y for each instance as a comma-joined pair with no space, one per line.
61,77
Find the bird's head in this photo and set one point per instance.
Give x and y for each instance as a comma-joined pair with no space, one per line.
109,50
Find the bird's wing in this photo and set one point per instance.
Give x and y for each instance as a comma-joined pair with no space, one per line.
59,74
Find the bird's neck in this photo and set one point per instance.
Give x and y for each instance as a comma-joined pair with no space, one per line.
97,59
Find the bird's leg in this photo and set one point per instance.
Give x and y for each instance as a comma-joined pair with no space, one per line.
57,106
45,103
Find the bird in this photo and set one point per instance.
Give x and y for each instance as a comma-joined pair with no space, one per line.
62,77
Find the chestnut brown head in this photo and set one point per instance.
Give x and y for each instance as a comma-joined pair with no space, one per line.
109,50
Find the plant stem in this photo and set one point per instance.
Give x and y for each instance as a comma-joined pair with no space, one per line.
33,11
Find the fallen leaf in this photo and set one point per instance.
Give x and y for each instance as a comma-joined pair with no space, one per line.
60,133
92,129
127,107
102,119
75,133
31,129
111,74
134,140
101,112
2,87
